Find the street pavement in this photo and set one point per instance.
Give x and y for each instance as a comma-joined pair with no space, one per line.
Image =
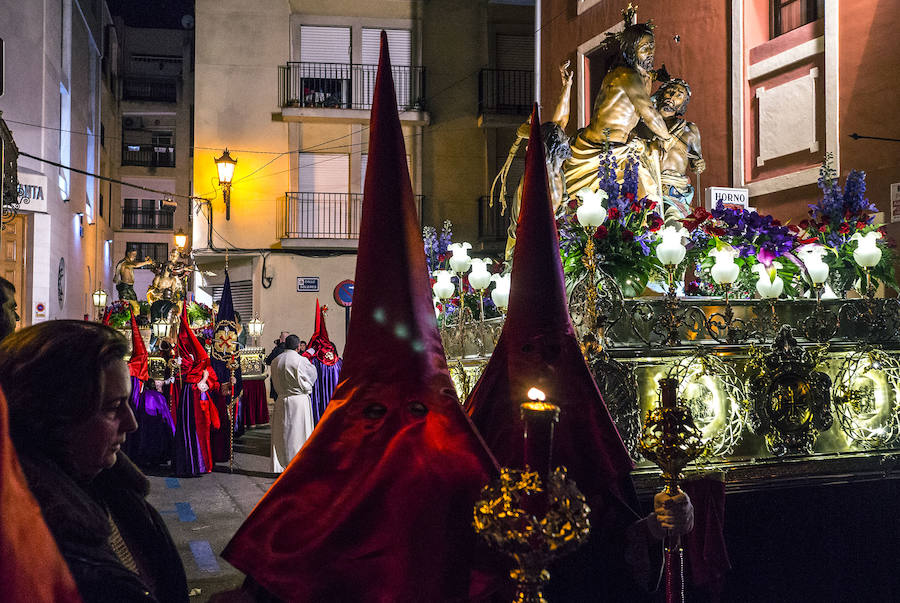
203,513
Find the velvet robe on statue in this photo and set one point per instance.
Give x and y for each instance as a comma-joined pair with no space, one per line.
195,412
292,421
151,443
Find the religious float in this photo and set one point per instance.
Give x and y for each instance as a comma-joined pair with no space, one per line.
777,341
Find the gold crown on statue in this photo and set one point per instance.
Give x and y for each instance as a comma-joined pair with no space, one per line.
629,13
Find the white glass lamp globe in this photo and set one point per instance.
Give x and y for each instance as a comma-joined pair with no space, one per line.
670,249
867,254
591,212
480,278
812,258
443,288
724,271
460,260
769,284
500,293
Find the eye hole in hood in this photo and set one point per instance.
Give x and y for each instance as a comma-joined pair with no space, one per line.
375,410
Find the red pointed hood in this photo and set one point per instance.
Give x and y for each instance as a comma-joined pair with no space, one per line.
31,567
377,506
324,350
538,348
194,359
138,366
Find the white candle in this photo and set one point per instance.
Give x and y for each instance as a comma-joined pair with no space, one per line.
460,260
480,278
500,294
812,257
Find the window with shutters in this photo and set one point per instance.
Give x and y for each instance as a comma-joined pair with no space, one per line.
509,87
400,49
327,75
324,70
241,296
322,207
788,15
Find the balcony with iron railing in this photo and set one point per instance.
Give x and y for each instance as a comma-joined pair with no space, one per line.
147,219
345,86
504,92
324,219
149,89
148,155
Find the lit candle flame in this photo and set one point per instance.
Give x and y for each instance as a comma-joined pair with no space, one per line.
536,394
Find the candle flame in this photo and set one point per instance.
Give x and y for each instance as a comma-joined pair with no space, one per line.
536,394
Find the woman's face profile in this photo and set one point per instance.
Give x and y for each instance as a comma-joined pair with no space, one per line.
93,444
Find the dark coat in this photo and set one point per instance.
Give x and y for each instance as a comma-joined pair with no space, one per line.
79,523
276,351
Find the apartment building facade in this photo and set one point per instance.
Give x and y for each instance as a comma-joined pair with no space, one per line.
287,88
55,241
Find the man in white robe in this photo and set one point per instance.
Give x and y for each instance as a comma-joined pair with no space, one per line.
293,377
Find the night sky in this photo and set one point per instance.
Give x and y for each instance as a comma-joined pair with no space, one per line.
152,13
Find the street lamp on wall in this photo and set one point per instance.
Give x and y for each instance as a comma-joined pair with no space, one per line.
180,239
225,165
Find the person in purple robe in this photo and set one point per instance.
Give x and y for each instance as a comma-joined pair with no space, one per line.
151,444
323,355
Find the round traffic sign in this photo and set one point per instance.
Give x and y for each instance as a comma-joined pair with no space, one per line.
343,293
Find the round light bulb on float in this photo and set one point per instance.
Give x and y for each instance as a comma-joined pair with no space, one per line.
812,257
867,253
460,260
480,278
724,271
769,285
591,212
670,250
500,293
443,288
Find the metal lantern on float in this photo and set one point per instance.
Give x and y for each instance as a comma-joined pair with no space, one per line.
255,329
225,166
99,298
161,328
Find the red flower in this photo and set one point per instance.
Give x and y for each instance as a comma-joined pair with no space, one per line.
804,224
636,208
573,204
776,222
807,241
649,204
655,224
793,228
823,227
629,196
717,232
860,225
627,235
698,216
844,229
601,232
613,213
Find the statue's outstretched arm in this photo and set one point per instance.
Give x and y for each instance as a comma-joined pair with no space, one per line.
561,114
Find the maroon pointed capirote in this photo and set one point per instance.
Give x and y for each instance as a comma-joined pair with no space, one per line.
377,505
538,349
